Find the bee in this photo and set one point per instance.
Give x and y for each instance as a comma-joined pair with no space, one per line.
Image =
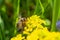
21,24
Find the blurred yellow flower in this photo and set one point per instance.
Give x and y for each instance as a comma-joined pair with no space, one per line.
36,31
18,37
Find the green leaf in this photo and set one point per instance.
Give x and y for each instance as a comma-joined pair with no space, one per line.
55,14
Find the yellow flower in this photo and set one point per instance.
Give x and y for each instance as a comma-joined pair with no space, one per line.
26,32
14,38
18,37
34,21
33,36
36,31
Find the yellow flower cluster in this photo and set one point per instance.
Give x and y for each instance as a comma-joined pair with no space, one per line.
18,37
32,23
34,30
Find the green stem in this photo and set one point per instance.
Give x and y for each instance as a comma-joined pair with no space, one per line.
36,7
41,7
55,14
27,7
16,13
2,32
0,35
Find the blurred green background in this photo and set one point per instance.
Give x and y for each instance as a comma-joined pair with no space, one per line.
49,10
